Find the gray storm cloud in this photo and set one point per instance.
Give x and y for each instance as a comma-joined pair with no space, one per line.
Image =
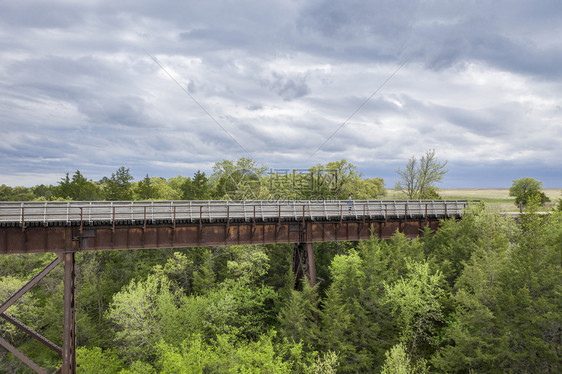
481,85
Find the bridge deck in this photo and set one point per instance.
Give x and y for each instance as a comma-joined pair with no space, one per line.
91,213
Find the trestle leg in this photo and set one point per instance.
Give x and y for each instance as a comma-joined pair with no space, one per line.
69,326
303,264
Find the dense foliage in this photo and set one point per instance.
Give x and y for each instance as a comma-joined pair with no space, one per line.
482,294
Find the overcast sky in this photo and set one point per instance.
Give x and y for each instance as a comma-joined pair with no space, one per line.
170,87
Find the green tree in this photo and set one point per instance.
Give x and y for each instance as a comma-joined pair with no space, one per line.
416,302
417,180
525,188
451,247
144,313
179,269
354,320
118,187
249,263
508,315
399,362
340,179
240,180
337,327
175,186
204,276
44,192
19,193
139,367
24,310
96,361
369,189
168,189
198,188
145,189
334,180
226,354
298,317
230,308
78,188
327,364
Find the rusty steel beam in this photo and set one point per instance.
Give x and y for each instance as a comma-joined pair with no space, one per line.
22,357
69,324
145,236
18,294
14,321
300,264
311,264
304,264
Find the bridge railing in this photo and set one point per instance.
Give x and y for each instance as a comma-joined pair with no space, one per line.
132,212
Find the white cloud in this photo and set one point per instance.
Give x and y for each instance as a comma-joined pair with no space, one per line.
78,91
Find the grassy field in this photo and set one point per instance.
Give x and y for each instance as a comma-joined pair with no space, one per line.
497,199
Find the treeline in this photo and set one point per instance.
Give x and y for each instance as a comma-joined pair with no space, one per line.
243,179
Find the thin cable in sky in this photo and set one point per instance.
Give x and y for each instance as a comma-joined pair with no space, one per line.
361,106
196,102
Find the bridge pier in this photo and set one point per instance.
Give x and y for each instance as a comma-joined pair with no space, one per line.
311,264
304,264
69,324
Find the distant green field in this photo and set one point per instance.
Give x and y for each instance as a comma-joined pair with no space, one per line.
497,199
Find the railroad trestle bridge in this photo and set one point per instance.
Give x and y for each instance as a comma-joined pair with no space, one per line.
69,227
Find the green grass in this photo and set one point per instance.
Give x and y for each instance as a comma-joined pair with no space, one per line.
496,199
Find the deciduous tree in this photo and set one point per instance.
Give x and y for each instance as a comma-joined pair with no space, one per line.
415,301
418,180
240,180
525,188
398,361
